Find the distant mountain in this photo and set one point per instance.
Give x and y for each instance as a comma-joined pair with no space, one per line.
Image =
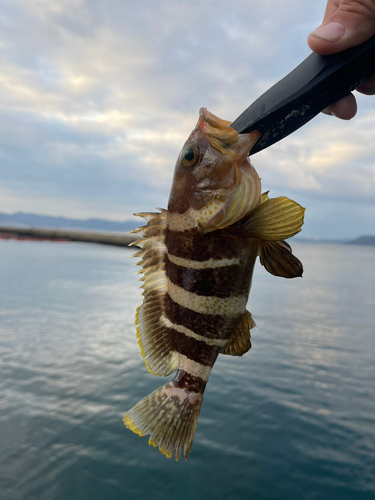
363,240
319,241
35,220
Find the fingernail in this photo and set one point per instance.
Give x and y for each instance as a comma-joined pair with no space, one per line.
331,32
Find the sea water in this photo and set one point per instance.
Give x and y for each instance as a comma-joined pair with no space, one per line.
294,418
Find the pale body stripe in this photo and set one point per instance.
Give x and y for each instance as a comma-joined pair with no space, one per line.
229,306
194,368
182,394
180,222
205,264
192,218
189,333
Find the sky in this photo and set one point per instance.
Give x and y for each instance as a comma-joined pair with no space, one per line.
97,98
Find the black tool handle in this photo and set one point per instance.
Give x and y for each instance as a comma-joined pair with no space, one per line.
315,84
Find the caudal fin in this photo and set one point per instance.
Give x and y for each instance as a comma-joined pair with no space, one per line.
170,415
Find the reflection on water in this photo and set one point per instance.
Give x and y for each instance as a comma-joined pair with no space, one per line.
294,418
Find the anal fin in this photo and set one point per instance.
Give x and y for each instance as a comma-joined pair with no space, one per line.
239,342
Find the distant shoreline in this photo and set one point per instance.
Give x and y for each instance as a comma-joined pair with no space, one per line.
24,220
21,221
61,236
361,240
123,239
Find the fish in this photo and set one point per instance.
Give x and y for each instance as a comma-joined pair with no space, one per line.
197,260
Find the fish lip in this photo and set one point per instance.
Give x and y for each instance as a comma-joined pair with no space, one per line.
208,119
235,186
224,138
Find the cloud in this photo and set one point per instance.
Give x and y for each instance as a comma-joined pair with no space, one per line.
331,162
97,98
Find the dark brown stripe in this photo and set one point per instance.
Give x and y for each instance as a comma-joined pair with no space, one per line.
226,243
212,326
196,350
185,380
229,281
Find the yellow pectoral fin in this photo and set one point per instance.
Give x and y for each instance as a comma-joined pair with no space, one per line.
275,219
277,258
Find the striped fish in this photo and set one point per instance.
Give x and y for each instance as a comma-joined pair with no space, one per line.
197,262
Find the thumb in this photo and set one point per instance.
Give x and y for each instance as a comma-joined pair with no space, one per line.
346,23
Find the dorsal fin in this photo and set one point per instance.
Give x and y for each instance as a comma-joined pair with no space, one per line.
156,341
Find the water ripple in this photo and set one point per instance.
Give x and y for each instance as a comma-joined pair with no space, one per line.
294,418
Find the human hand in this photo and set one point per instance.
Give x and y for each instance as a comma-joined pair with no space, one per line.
346,23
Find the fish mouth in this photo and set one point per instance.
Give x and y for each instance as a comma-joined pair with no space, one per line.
224,138
242,187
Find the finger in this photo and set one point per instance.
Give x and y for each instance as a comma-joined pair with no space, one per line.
368,87
345,108
350,24
332,6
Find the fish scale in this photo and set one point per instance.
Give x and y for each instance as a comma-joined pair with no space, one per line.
197,263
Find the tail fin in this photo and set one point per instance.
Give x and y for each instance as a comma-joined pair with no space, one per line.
170,415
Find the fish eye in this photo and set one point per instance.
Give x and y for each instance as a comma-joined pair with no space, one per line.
190,156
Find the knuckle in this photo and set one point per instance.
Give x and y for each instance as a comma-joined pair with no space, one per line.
359,8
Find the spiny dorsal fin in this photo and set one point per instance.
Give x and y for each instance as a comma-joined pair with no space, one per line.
274,219
156,341
239,342
265,196
277,258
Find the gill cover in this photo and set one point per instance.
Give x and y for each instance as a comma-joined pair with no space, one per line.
233,200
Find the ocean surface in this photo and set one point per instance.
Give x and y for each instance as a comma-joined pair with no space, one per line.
292,419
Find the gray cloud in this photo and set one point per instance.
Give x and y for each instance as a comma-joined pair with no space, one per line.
97,98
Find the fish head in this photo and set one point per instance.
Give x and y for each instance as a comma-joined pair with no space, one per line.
214,183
